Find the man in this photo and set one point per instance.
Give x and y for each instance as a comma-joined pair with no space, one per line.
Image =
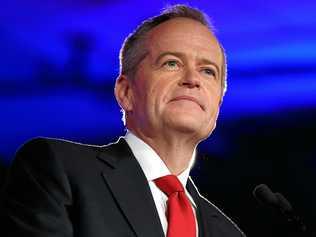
170,87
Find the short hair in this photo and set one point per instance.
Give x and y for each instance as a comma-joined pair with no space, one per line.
133,50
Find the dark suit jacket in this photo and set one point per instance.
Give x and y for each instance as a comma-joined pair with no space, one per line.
57,188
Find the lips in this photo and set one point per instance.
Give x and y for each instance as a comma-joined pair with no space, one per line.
190,98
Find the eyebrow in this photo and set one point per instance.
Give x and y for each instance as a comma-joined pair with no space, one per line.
182,55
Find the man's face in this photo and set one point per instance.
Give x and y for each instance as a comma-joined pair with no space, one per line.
177,86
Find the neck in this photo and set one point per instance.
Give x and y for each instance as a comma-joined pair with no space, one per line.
175,151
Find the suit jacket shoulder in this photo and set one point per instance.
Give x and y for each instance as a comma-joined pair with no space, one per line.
213,221
61,188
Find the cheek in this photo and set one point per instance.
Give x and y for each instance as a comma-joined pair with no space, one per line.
213,102
214,93
149,97
159,92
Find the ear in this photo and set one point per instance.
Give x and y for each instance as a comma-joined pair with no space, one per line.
123,93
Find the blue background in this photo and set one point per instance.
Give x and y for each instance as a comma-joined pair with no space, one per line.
59,61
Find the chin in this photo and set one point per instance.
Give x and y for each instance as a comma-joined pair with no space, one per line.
187,124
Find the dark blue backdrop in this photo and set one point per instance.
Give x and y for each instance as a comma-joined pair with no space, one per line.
59,61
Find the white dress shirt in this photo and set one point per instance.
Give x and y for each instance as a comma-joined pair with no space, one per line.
153,168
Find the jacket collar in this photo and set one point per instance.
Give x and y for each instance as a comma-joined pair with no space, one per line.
128,184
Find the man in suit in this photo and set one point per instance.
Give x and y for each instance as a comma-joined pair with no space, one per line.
171,84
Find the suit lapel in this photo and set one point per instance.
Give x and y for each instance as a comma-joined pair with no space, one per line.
211,220
203,215
130,188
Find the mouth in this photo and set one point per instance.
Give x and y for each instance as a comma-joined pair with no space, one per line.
189,98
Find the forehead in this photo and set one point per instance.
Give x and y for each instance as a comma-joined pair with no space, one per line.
184,35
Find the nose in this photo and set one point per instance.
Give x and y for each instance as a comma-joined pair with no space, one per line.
190,79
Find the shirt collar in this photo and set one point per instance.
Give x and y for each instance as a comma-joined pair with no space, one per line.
150,162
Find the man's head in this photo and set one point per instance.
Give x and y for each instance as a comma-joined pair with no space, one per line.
172,75
133,50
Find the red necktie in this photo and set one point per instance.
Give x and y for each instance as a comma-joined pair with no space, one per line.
181,220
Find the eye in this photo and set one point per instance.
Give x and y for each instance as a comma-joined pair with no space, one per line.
209,72
171,65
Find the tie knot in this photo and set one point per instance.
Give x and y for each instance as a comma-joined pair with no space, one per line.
169,184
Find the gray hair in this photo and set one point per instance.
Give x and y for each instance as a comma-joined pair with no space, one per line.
133,51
